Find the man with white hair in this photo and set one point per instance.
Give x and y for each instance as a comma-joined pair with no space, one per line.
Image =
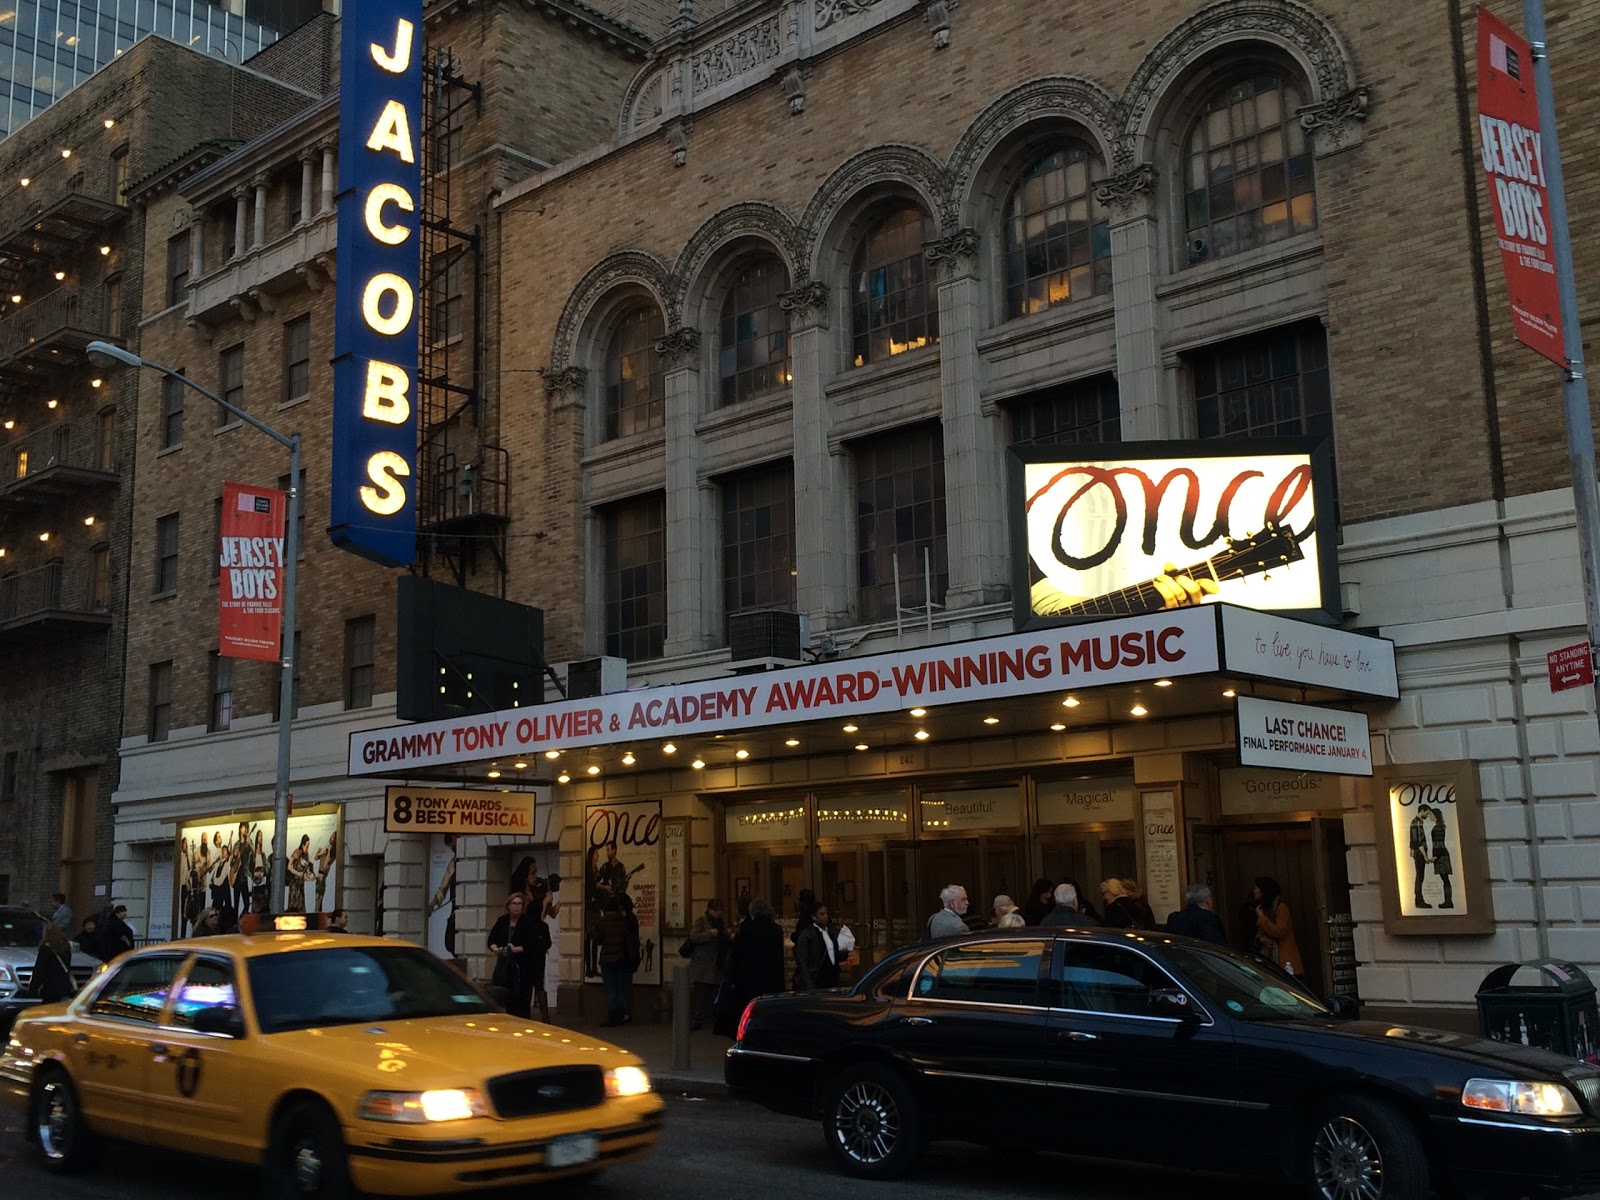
947,921
1065,914
1198,918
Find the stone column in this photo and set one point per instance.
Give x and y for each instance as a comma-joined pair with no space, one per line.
405,888
241,221
197,247
308,185
1148,400
325,205
259,236
823,535
974,463
688,613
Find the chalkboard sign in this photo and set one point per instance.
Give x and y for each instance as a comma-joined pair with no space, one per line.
1342,950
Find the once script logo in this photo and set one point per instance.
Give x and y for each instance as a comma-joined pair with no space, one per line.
1409,795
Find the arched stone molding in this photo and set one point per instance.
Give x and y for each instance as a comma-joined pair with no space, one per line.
637,269
741,225
1058,101
1318,49
895,166
645,100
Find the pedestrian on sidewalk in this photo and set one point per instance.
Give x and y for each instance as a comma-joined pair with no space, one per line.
755,964
948,922
618,954
707,963
1198,918
519,943
816,954
52,975
1067,913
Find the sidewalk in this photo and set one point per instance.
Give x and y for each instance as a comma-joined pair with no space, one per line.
652,1041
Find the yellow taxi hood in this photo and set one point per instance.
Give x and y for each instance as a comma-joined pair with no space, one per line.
446,1051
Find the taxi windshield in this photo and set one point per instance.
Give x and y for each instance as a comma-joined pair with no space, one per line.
1247,991
307,989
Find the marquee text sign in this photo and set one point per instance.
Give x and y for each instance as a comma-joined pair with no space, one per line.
1302,737
457,810
1133,527
374,511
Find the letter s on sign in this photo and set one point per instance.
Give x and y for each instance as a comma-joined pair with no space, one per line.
386,469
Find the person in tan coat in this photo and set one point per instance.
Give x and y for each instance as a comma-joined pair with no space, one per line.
1275,927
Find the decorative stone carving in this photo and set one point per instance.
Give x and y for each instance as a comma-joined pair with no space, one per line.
937,14
794,89
736,55
1335,123
750,219
952,253
807,304
310,276
684,22
636,267
326,264
564,383
678,143
678,348
182,218
895,162
829,11
1126,192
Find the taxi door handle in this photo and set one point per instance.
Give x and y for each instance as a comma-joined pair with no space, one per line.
1078,1035
158,1048
81,1039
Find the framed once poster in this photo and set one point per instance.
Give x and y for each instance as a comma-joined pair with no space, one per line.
1433,865
622,857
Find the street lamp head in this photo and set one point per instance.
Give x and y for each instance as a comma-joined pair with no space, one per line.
104,354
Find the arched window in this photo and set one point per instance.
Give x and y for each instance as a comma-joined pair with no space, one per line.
753,354
1058,236
1249,170
634,387
894,304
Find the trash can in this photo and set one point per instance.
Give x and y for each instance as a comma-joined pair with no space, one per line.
1555,1010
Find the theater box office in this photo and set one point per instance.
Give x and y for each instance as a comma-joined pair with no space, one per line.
1080,752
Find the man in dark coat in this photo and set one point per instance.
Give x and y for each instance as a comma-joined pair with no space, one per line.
1198,918
755,964
1066,914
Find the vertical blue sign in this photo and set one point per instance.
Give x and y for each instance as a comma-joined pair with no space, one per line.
376,301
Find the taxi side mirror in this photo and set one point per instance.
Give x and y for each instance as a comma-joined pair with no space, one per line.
223,1019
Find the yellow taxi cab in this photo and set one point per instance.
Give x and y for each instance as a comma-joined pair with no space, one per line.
330,1060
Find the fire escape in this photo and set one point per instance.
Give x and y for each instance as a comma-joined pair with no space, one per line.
463,492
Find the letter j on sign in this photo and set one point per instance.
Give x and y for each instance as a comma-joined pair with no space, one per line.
374,510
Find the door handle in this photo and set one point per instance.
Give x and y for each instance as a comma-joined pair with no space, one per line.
158,1048
81,1039
1078,1035
916,1020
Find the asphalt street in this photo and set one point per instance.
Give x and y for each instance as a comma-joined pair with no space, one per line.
744,1149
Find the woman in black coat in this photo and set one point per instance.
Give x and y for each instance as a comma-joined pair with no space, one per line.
519,943
755,965
52,969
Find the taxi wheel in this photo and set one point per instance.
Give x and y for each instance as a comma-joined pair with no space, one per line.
307,1159
870,1122
56,1125
1363,1148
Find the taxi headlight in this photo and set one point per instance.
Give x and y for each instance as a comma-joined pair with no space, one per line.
1531,1099
626,1081
420,1108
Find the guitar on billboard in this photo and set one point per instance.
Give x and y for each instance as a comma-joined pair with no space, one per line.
1257,554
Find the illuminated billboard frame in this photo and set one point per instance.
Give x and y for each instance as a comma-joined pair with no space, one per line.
376,306
1246,522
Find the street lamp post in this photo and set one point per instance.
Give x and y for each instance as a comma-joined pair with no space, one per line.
105,354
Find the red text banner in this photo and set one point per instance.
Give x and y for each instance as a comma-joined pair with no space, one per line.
250,571
1513,161
1154,646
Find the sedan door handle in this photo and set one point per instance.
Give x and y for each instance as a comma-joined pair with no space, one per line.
916,1020
1078,1035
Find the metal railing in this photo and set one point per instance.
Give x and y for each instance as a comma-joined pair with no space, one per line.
52,445
50,588
64,308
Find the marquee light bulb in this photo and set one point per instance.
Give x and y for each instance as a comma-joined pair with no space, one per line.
66,153
44,537
1138,710
552,754
791,742
104,250
88,520
594,770
494,774
25,181
110,121
521,766
60,275
741,754
991,720
10,424
628,760
852,727
669,748
699,764
1057,727
1071,702
51,403
1163,683
1227,693
563,778
919,712
921,735
16,298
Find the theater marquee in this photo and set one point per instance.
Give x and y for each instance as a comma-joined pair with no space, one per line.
1141,527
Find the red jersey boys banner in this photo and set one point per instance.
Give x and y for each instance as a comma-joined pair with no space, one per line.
251,571
1513,160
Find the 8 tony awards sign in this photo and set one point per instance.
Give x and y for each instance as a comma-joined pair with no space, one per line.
1128,528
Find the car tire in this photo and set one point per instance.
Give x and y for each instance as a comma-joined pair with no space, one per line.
306,1159
56,1125
870,1122
1363,1148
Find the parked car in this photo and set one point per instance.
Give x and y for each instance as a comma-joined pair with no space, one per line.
21,930
335,1062
1158,1049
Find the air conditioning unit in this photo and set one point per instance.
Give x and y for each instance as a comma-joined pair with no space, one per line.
589,677
759,640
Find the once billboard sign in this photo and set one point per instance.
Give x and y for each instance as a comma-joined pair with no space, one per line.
1141,527
374,510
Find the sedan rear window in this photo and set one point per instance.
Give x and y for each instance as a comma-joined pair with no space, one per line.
305,989
985,973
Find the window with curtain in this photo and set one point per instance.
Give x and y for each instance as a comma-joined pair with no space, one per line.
635,550
635,387
753,353
894,300
900,520
758,539
1057,235
1249,167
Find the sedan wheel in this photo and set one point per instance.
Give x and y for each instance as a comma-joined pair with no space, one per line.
57,1126
1365,1149
870,1122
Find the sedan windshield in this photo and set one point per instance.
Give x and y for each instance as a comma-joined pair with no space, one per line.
305,989
21,929
1247,991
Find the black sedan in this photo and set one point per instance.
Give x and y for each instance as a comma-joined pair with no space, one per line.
1158,1049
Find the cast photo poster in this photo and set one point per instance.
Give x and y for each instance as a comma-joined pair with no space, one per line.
532,869
441,914
622,856
1426,823
223,861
